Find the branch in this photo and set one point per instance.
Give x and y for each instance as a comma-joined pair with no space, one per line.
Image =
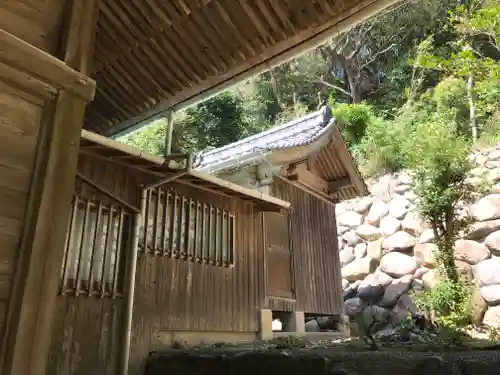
335,87
377,55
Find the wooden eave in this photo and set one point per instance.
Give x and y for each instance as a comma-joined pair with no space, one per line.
329,172
152,55
104,148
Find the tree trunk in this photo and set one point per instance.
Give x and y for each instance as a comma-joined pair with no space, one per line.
275,86
472,107
352,74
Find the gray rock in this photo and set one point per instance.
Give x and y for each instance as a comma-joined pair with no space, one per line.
493,175
492,317
350,219
389,225
478,307
399,241
402,188
419,273
383,278
346,256
493,242
418,285
360,250
353,306
355,285
494,155
427,236
478,172
488,208
481,160
341,229
351,238
405,307
413,224
425,254
405,178
349,293
471,252
374,249
464,270
410,195
398,207
368,232
398,265
491,294
358,269
495,189
340,243
430,279
370,293
378,210
312,326
396,290
488,272
372,288
481,229
363,205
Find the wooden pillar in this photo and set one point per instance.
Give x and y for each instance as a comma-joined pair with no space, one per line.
51,96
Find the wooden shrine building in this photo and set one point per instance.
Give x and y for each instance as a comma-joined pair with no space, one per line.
108,67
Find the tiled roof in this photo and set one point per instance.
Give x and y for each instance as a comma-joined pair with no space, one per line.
300,132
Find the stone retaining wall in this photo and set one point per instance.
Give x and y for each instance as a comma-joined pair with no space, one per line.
386,249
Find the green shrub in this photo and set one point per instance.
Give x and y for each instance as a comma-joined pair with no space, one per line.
490,132
450,303
353,120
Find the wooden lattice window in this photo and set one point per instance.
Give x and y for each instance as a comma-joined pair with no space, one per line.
185,228
96,243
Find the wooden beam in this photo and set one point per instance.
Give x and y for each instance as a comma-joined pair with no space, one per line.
334,185
26,58
299,173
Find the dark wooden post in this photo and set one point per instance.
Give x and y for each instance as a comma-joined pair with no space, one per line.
52,95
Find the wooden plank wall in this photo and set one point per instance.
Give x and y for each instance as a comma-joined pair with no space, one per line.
87,331
20,117
171,294
178,295
316,263
37,22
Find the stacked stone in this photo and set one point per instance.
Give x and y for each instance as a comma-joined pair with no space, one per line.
386,249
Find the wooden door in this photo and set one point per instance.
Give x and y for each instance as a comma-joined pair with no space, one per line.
278,255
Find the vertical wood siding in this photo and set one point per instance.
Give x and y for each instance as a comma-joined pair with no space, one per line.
87,328
176,294
316,264
35,21
20,117
171,293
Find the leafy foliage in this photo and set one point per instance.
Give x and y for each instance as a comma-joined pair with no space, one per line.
451,303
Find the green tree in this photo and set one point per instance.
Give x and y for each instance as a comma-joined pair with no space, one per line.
438,158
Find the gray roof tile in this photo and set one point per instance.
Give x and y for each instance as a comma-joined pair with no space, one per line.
300,132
